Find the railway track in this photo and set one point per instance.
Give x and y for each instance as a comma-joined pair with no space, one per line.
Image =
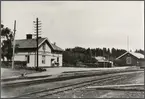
49,92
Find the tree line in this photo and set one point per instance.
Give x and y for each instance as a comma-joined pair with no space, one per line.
73,55
79,54
140,51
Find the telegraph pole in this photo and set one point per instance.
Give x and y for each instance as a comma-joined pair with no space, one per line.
14,45
0,44
37,42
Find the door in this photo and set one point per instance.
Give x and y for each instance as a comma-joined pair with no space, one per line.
52,62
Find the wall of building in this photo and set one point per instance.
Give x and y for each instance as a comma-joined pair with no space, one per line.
142,62
47,48
20,57
133,60
33,59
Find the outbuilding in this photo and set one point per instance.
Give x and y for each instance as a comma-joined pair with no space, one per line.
103,62
131,59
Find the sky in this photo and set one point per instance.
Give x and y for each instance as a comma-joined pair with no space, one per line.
88,24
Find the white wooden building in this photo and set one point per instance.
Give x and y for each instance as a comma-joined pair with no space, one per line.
49,54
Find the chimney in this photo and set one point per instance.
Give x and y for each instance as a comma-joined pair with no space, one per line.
54,43
28,36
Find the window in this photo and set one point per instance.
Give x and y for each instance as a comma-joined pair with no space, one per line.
57,59
43,59
44,47
128,60
27,58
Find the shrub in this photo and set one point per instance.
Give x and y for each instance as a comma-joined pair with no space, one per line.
68,65
41,69
17,64
91,64
34,68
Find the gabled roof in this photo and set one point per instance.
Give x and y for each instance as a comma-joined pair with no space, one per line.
56,47
101,59
28,43
31,43
137,55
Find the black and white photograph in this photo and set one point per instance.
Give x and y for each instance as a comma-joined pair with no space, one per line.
72,49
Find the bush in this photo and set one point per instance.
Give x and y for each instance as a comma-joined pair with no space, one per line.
91,64
80,64
68,65
34,68
6,64
17,64
41,69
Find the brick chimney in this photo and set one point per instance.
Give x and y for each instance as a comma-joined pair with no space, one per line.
28,36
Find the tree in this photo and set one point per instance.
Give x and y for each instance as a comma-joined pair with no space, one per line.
113,50
108,51
7,45
140,51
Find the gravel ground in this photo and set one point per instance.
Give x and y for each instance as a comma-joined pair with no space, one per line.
52,71
10,91
123,94
8,72
137,78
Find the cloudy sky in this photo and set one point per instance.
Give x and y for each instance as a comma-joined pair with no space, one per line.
79,23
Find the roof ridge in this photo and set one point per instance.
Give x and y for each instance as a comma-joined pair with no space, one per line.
137,53
31,43
122,55
132,53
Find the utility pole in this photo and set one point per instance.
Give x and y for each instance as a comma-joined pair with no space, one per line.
0,46
37,38
14,45
37,43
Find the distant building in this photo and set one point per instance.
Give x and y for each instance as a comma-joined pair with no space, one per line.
49,54
131,59
103,62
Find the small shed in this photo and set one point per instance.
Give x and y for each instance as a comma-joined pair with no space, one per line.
131,59
103,62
